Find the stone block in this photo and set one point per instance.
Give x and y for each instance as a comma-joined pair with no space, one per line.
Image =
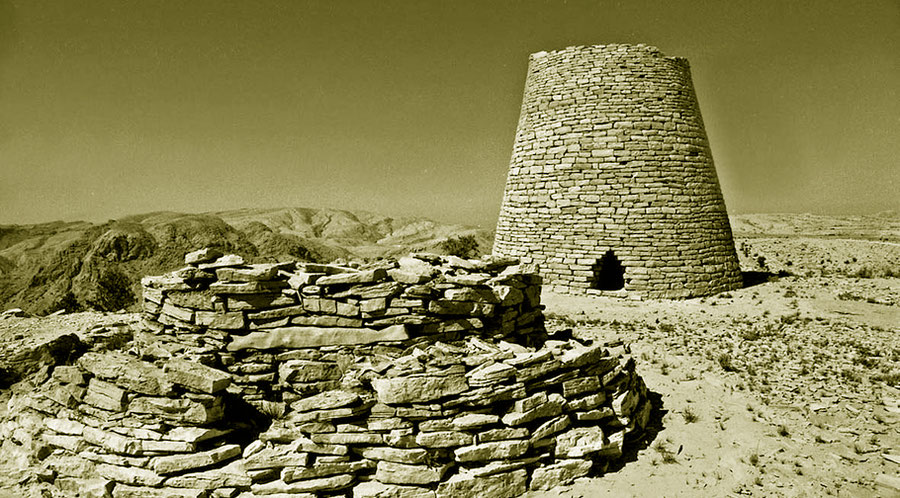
496,450
375,489
308,371
233,320
418,389
400,473
410,456
309,337
322,484
196,377
179,463
505,485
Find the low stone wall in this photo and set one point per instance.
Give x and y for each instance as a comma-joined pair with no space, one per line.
431,376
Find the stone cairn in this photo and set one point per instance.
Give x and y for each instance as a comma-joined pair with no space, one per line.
431,376
612,187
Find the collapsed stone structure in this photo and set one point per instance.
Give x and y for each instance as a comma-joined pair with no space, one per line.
428,377
611,186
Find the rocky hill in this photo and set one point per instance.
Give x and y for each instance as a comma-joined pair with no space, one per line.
80,265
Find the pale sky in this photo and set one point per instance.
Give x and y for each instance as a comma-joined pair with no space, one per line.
118,107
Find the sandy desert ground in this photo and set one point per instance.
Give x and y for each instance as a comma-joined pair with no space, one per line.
789,387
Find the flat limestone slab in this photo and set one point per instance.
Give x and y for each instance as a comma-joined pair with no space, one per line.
309,337
196,377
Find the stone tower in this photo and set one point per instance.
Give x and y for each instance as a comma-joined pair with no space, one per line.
611,185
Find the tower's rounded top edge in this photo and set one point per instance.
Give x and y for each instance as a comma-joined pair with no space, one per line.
607,48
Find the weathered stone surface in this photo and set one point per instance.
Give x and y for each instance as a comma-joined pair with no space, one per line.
418,389
127,491
196,377
308,337
579,442
474,420
194,299
292,474
332,483
308,371
269,458
375,489
111,441
238,302
245,287
325,401
204,255
505,485
130,475
443,439
64,426
550,427
579,356
179,463
151,446
231,475
191,411
446,307
220,320
347,438
222,262
183,314
503,433
559,473
581,385
127,372
69,374
195,434
75,444
286,311
399,455
359,277
497,450
400,473
551,408
254,273
588,402
90,487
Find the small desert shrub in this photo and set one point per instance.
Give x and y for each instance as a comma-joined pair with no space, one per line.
663,449
754,459
725,362
464,246
689,416
890,378
113,291
666,327
783,431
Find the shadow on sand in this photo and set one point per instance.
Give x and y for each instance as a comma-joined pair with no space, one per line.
752,278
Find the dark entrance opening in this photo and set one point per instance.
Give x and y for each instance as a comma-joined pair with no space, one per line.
609,274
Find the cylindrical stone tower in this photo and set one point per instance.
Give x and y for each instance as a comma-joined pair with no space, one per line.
612,185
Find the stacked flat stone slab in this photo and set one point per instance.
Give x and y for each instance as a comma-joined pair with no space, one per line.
611,155
124,427
266,323
427,377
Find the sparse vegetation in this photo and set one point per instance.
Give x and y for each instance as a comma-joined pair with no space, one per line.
464,246
689,415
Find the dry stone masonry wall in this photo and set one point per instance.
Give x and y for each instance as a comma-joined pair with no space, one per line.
427,377
611,183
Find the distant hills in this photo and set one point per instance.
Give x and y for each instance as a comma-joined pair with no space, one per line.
76,265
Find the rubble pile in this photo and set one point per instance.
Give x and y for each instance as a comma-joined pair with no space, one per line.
427,377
